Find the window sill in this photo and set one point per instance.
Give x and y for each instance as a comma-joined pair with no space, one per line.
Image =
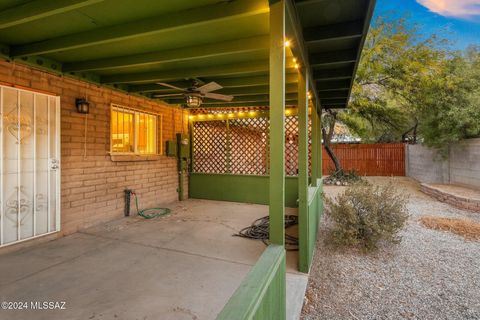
135,157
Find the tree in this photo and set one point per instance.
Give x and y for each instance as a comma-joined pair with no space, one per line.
329,120
451,111
409,87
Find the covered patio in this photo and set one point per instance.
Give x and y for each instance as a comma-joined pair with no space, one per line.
182,266
130,85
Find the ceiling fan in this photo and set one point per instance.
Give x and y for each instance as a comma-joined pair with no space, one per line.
195,94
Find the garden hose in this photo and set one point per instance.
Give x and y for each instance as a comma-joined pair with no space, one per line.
259,230
150,213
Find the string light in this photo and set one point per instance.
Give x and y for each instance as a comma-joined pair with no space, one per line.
287,43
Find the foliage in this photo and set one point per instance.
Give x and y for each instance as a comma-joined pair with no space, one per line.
344,177
365,214
451,111
406,83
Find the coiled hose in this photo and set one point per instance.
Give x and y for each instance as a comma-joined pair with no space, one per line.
259,230
150,213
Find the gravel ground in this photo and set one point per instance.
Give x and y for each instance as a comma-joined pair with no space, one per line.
429,275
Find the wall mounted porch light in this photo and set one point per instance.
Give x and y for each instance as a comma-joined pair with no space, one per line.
83,106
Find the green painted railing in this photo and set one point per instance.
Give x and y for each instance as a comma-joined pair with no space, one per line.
308,228
239,188
262,294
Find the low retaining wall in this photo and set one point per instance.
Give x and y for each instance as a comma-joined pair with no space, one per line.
455,200
461,167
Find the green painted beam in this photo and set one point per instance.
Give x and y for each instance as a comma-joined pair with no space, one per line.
333,74
293,29
4,51
277,125
344,30
333,85
39,9
248,45
219,70
303,223
246,104
309,2
247,98
332,101
334,94
240,82
245,91
179,21
153,87
333,57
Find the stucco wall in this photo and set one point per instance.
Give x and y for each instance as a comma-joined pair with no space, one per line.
462,166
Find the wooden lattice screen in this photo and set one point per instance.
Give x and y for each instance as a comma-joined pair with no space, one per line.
240,146
210,147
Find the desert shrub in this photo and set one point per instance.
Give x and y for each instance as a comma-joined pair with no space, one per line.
364,214
343,177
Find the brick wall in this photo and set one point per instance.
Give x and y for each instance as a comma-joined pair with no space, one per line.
92,186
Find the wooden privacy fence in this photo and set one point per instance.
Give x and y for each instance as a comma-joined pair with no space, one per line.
368,159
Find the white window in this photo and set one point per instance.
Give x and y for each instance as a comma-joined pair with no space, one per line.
135,132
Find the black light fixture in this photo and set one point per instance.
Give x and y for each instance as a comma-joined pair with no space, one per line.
83,106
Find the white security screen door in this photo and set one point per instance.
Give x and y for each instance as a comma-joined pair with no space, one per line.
29,164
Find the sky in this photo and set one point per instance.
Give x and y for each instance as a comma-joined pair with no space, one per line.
457,20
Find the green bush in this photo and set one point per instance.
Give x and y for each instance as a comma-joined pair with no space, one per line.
364,214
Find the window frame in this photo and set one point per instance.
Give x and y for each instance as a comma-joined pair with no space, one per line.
159,150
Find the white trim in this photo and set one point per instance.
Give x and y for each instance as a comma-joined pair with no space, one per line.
58,155
29,238
136,115
34,169
132,110
19,177
48,165
1,167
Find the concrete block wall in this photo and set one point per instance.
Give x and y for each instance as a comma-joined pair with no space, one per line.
92,186
465,163
462,167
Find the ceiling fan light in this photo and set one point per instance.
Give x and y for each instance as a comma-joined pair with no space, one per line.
193,101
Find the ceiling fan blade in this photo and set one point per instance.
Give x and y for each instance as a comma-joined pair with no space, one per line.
211,86
170,86
168,95
218,96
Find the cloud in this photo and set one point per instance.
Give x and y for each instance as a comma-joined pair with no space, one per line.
453,8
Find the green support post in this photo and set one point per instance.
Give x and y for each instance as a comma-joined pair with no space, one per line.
315,145
303,170
320,146
277,123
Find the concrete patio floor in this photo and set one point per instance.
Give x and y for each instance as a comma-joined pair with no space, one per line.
182,266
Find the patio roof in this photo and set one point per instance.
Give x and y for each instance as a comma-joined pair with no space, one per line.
132,45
